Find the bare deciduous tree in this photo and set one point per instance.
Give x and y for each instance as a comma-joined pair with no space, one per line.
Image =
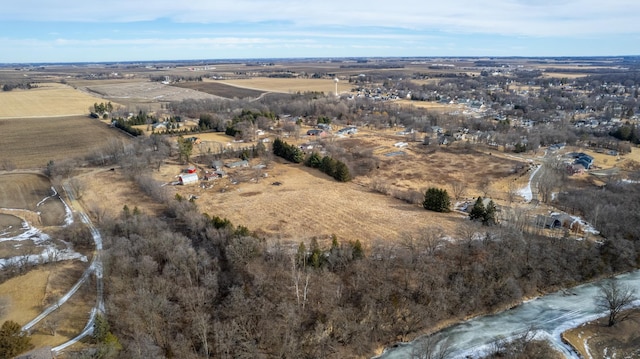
458,189
614,298
431,347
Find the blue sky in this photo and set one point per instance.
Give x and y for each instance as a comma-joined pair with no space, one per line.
134,30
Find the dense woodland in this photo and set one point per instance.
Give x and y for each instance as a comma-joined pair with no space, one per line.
180,287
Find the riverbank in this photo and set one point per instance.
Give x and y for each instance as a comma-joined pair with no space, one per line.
549,316
596,340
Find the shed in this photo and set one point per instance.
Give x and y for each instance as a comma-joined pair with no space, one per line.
547,222
188,178
243,163
217,165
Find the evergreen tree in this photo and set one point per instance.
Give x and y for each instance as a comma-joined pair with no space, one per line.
437,200
489,217
342,172
314,160
328,165
478,211
356,250
13,340
485,214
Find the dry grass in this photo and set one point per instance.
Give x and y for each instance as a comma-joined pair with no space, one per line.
28,294
433,106
72,316
25,295
596,340
48,100
32,142
309,204
110,191
289,85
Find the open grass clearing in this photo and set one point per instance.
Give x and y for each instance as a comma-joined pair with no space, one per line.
433,106
32,290
109,192
32,142
308,204
71,317
47,100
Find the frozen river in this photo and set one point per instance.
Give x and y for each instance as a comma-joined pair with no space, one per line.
549,316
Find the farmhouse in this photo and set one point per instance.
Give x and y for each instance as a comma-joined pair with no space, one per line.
159,126
188,178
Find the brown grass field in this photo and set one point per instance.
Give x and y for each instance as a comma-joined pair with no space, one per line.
432,106
308,204
289,85
597,340
32,142
28,294
48,100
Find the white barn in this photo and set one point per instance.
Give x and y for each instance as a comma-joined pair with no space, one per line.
187,178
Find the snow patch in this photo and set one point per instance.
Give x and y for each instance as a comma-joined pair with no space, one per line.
526,192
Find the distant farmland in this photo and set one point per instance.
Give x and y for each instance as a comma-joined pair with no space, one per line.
286,85
220,89
32,142
47,100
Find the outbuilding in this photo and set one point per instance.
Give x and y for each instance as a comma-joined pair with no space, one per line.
188,178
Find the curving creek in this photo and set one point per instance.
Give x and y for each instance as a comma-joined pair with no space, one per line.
549,316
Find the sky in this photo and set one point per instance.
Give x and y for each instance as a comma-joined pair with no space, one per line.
36,31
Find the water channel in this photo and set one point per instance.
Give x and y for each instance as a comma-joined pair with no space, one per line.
549,316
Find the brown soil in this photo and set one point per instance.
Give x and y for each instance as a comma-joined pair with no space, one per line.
219,89
33,142
23,190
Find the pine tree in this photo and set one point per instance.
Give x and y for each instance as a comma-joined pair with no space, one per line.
478,211
437,200
489,217
342,172
314,160
13,340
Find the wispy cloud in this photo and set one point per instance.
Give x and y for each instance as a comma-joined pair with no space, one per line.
529,18
75,30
